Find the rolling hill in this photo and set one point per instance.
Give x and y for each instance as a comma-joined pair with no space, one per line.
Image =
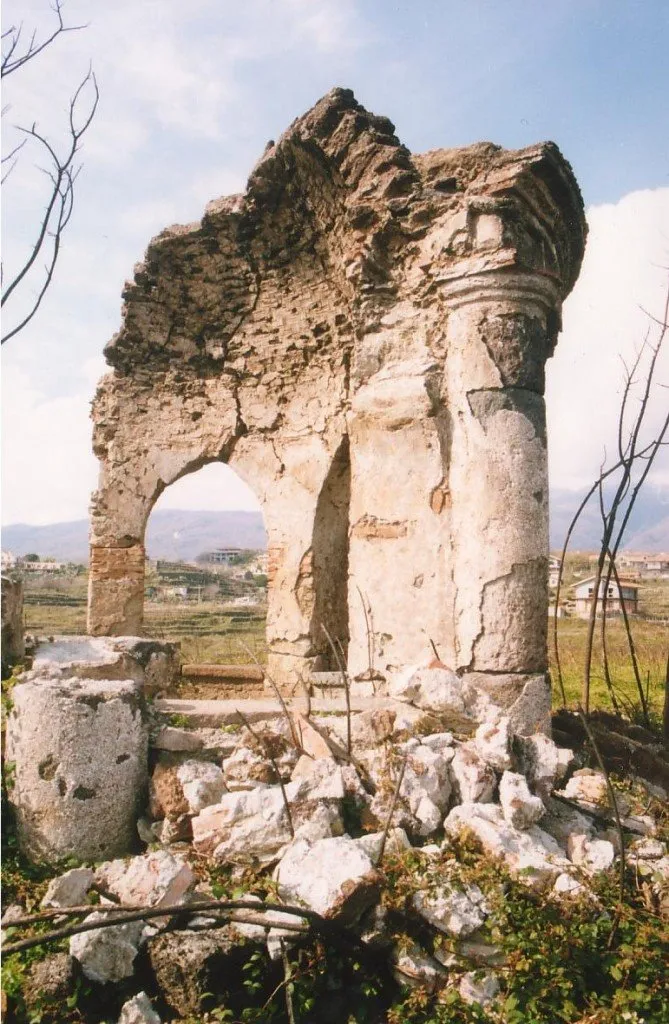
177,534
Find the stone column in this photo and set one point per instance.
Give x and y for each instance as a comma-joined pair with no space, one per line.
500,331
80,749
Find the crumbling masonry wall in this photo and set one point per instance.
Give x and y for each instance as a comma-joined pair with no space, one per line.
362,337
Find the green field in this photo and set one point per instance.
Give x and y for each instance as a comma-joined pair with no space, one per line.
211,632
651,641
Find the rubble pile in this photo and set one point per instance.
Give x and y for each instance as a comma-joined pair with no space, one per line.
320,835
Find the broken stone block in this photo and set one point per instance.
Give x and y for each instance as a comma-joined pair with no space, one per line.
411,721
187,965
442,743
107,954
79,783
567,885
561,821
315,819
531,854
456,911
434,689
154,879
49,980
524,698
138,1010
334,877
176,740
473,780
246,769
371,728
415,968
313,740
588,788
202,784
154,664
397,841
591,855
492,741
69,889
318,779
478,987
539,762
166,795
520,808
247,826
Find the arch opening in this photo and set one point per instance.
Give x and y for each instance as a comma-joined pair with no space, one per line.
206,570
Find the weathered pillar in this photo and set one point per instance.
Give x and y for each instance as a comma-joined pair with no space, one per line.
116,590
500,331
80,749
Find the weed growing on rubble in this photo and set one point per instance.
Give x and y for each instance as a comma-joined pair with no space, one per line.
581,959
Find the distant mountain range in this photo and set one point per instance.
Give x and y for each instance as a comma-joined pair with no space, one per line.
171,534
182,535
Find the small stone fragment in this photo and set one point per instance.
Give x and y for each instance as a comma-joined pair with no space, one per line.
456,911
414,967
591,855
492,741
202,784
588,788
107,954
567,885
520,808
473,780
479,987
68,890
138,1010
177,740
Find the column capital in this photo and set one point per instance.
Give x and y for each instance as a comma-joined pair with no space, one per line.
510,287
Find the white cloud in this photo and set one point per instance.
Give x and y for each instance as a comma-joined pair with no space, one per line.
48,468
624,272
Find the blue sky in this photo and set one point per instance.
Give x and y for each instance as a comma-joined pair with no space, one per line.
190,94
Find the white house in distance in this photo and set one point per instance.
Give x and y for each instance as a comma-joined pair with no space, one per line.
627,594
553,571
645,563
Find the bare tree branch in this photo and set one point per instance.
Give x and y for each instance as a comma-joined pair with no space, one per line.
13,59
61,170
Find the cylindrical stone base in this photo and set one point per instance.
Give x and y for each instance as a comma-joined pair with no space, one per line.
80,750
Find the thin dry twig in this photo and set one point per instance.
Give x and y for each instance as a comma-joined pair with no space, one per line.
346,683
393,805
277,694
619,827
325,928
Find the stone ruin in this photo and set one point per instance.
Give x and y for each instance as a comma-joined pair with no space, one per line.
361,336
